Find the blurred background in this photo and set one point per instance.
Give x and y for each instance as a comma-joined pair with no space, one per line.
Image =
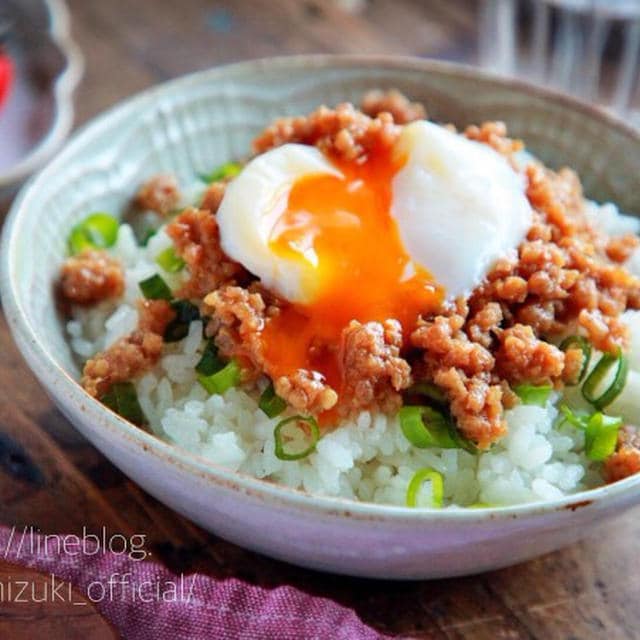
585,47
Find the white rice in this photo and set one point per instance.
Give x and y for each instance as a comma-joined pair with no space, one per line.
364,459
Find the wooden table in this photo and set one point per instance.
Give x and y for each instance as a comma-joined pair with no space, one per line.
50,477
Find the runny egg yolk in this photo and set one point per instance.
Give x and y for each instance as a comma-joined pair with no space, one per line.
344,226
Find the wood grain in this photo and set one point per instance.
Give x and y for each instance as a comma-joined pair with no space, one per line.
35,605
51,478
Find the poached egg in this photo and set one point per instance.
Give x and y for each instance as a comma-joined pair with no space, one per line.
389,237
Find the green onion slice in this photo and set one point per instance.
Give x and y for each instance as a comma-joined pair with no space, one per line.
437,487
461,441
226,170
425,427
123,399
169,261
178,328
579,421
465,444
589,388
585,346
210,362
532,394
146,235
97,231
271,403
601,436
222,380
287,437
428,390
600,432
155,288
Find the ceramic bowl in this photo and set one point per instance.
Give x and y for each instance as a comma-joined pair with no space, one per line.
196,122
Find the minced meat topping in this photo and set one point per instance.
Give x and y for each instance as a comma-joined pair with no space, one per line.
90,277
567,277
160,194
132,355
197,241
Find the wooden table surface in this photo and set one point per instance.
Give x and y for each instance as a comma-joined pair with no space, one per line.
50,477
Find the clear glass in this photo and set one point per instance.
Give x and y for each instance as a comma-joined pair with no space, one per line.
589,48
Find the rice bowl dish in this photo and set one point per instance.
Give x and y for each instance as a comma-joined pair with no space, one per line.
196,325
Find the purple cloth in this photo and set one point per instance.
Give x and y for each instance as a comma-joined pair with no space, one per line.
143,600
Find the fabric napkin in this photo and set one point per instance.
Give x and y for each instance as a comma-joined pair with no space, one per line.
191,607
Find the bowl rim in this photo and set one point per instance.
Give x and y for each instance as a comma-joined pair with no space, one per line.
63,87
67,391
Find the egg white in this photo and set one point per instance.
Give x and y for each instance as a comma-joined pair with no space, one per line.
458,203
251,206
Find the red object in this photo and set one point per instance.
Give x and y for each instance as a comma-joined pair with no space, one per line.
6,76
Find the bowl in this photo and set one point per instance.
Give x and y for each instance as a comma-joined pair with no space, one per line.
38,114
191,124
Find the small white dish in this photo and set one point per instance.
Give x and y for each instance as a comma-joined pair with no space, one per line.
38,114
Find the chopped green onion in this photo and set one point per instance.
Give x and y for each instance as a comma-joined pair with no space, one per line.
169,261
210,362
78,240
463,443
600,432
123,399
579,421
428,390
601,436
178,328
220,381
532,394
298,423
585,346
155,288
437,487
425,427
271,403
97,231
599,372
226,170
147,234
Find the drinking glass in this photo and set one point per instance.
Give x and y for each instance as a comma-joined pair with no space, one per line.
589,48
